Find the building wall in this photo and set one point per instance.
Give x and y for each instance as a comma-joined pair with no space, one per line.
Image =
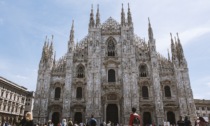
136,65
12,101
202,108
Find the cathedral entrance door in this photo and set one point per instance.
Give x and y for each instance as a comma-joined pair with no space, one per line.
147,118
78,117
171,117
112,113
55,118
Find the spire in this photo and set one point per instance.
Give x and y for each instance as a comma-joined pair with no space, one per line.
179,44
129,16
173,49
150,32
169,55
51,45
71,38
92,22
72,32
97,17
179,48
54,59
122,16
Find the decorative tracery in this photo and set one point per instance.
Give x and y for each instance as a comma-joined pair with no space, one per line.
111,47
80,71
143,70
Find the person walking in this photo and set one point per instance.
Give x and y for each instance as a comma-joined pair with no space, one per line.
29,119
187,121
180,122
92,121
135,119
70,123
202,122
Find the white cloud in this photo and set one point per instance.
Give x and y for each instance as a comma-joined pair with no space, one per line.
21,77
189,35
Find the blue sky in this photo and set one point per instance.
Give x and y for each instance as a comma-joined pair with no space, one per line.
24,25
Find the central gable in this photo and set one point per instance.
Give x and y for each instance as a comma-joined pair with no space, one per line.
110,27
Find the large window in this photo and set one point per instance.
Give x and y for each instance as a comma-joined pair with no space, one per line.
143,70
80,71
167,91
111,47
111,75
145,93
57,93
79,93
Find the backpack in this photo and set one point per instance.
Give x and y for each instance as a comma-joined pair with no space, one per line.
70,123
136,121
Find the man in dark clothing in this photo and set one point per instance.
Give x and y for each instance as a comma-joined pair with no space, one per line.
92,121
186,121
180,122
22,122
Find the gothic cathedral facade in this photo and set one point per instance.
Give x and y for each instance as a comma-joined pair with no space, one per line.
110,71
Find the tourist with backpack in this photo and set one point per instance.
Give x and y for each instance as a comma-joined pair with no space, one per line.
135,119
92,121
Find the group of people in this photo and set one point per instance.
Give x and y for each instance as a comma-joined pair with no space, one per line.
200,121
134,120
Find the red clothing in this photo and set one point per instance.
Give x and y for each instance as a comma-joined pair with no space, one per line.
132,118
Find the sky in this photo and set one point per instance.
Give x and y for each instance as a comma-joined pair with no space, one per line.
24,24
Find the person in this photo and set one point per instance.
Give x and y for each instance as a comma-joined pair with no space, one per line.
23,121
64,122
29,119
202,122
50,123
92,121
70,123
135,119
180,122
186,121
109,123
5,123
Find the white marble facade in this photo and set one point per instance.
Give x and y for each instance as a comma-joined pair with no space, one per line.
110,71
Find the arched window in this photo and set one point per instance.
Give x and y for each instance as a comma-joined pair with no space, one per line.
111,47
80,71
167,91
79,93
111,75
57,93
143,70
145,93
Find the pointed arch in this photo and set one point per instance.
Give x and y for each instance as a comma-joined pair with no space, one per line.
79,93
111,42
57,93
167,91
111,75
143,70
80,71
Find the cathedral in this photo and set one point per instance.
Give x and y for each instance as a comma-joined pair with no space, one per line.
110,71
